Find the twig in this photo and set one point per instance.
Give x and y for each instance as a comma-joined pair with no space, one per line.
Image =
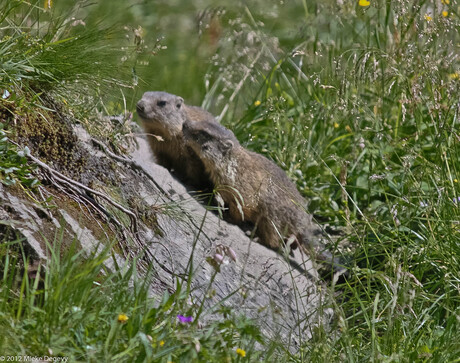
136,166
132,163
62,177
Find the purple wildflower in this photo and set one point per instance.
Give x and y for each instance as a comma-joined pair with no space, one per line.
231,253
185,319
218,258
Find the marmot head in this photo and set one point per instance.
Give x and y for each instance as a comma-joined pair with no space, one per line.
163,111
212,142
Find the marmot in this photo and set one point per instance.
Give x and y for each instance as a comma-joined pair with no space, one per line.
162,115
255,189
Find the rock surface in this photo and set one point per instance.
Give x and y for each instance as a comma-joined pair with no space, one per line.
170,227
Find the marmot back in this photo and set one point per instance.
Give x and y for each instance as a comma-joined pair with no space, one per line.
255,189
162,115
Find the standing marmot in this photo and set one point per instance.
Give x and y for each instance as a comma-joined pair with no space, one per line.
255,189
162,116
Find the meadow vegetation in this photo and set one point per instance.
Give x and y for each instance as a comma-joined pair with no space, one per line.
357,100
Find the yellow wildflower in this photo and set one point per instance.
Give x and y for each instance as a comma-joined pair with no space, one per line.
364,3
241,352
257,103
162,342
447,2
445,13
455,181
348,128
48,4
455,75
123,318
428,17
336,125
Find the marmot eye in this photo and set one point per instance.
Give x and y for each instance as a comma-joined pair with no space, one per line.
205,147
161,103
178,105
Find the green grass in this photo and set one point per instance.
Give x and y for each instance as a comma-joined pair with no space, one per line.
106,314
358,104
369,129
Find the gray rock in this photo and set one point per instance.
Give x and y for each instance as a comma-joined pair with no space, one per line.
261,283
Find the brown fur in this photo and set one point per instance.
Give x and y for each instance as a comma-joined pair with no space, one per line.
162,115
255,189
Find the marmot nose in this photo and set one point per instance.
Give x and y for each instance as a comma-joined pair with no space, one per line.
140,107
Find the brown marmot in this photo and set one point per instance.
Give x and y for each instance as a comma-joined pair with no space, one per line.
162,115
255,189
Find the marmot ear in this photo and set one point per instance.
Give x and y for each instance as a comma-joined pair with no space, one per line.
179,102
228,146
